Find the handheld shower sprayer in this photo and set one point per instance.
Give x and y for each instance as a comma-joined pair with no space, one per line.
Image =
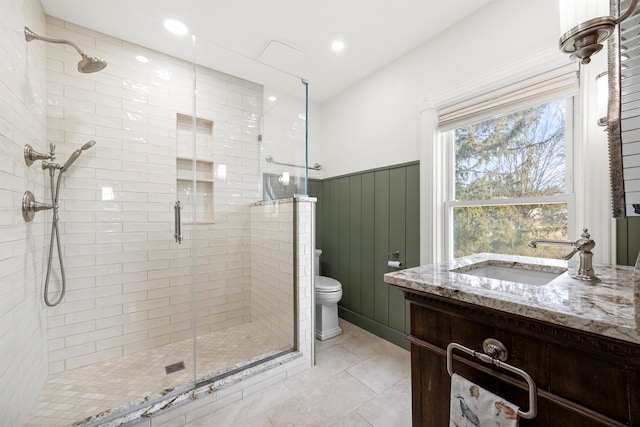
74,156
30,206
88,64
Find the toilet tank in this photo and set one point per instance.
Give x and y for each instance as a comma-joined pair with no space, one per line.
316,262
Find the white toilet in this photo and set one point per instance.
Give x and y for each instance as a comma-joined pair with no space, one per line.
328,292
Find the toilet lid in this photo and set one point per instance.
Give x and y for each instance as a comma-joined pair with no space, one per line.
327,284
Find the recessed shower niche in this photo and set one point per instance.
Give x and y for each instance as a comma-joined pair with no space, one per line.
200,191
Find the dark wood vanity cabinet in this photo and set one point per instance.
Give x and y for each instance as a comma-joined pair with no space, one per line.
583,379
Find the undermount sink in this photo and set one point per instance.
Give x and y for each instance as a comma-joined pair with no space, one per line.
530,274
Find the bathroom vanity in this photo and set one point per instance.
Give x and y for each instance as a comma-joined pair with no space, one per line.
579,341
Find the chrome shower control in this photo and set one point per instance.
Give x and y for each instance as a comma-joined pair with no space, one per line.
31,155
50,166
30,206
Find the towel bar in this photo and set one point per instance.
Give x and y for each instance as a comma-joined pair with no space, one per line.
315,167
533,403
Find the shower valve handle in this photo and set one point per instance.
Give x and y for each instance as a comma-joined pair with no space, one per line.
30,206
31,155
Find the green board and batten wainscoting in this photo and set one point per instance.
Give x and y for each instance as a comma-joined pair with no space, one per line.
360,219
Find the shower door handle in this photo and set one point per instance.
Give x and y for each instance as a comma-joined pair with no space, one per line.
177,208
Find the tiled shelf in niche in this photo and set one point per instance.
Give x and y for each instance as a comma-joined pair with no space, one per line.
202,194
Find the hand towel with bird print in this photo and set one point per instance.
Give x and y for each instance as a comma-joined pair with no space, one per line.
473,406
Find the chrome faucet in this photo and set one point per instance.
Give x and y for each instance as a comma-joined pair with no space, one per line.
582,245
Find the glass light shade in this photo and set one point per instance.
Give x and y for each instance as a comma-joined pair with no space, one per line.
576,12
586,24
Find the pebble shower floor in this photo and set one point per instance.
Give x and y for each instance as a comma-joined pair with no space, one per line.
74,395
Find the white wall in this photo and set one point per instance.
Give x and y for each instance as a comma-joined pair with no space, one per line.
23,356
376,123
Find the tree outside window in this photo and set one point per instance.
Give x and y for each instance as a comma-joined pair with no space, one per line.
510,175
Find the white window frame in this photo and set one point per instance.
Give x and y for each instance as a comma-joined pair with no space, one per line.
447,139
590,174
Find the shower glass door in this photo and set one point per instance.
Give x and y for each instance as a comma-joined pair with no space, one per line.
245,287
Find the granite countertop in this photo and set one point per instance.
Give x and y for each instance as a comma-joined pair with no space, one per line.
609,308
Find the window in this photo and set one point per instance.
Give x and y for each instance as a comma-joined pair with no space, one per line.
509,181
508,167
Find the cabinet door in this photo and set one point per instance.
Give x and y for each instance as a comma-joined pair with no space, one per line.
595,383
429,388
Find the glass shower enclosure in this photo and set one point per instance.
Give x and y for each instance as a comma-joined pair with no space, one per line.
179,259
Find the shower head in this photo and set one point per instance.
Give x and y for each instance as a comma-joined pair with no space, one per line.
74,156
88,64
91,64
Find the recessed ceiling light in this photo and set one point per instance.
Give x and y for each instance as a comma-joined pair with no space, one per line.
337,46
272,98
142,59
176,27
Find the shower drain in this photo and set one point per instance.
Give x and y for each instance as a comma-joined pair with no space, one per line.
174,367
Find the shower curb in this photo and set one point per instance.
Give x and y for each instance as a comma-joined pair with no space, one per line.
178,398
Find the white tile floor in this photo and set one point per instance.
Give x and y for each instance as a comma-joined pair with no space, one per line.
359,380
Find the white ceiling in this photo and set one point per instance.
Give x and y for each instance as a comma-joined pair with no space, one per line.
229,32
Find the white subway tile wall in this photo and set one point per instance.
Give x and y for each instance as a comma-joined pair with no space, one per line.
272,271
305,231
130,285
22,121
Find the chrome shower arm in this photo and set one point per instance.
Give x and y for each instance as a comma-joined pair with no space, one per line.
88,64
30,35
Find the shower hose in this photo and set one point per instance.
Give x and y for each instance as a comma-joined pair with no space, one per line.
55,235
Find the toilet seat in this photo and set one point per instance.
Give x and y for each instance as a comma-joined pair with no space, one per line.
327,284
